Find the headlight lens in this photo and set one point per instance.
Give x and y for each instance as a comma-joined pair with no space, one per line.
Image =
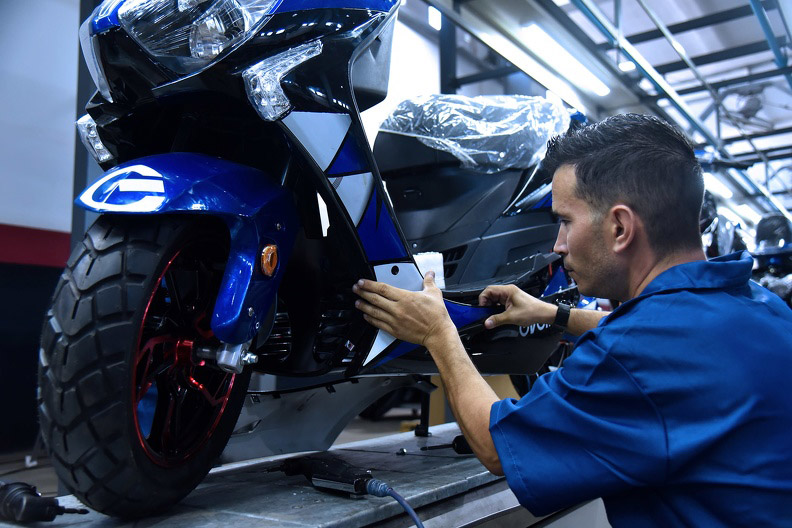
186,35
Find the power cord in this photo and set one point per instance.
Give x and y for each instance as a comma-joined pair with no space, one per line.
20,502
381,489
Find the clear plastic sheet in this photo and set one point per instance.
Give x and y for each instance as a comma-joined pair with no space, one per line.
486,132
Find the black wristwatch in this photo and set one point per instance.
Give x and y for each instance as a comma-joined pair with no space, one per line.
562,316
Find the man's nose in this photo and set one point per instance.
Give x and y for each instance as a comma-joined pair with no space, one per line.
560,245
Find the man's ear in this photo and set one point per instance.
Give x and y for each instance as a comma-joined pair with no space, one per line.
623,227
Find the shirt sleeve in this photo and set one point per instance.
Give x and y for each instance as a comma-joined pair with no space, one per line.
586,430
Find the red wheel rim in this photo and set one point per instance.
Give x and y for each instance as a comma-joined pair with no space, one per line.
177,399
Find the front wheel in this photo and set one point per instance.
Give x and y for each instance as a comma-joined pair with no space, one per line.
132,418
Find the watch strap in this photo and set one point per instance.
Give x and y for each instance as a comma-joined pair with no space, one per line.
562,316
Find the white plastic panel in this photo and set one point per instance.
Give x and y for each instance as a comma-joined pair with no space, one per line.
354,191
407,278
320,133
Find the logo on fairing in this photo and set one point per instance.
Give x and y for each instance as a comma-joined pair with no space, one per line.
535,328
133,189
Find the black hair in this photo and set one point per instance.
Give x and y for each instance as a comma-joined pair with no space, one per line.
642,162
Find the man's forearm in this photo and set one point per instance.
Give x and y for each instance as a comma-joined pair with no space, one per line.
580,321
469,396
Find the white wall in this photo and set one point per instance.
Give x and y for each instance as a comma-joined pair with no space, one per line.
415,70
38,91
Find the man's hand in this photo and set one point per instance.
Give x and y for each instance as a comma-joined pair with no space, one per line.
421,318
521,308
417,317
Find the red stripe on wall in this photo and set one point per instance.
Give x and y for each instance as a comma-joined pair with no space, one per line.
36,247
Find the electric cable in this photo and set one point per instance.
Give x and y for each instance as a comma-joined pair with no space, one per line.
381,489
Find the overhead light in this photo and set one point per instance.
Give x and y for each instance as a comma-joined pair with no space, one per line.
435,18
561,3
748,212
561,60
627,66
714,185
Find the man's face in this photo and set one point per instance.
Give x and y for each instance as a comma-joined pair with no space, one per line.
581,238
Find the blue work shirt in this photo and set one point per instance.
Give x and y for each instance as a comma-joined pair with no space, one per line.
676,409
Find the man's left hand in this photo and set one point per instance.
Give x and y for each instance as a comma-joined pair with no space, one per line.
416,317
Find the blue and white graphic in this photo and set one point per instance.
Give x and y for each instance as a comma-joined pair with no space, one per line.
320,133
133,189
354,191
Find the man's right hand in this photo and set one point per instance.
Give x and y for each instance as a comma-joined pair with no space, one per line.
521,309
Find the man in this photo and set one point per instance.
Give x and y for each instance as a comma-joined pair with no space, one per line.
676,407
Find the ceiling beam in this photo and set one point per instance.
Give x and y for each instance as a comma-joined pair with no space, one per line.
738,80
735,139
773,150
695,23
722,55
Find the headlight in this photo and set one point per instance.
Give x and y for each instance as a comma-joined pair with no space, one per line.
186,35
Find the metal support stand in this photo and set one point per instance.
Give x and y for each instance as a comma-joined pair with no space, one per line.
423,425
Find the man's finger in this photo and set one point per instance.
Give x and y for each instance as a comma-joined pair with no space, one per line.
373,311
373,298
380,288
493,321
494,295
377,323
429,280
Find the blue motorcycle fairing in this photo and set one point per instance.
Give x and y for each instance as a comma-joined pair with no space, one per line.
105,17
256,209
461,315
287,6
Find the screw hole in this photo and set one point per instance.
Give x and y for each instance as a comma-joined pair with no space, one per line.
395,270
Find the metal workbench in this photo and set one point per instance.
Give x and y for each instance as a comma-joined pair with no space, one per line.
446,490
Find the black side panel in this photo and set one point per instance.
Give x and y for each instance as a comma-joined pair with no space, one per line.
395,152
433,201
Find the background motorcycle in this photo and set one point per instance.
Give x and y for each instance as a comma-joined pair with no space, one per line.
773,255
241,202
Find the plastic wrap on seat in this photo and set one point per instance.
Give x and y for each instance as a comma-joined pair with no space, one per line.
487,132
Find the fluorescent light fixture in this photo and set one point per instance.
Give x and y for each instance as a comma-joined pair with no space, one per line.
561,60
561,3
627,66
748,212
435,18
714,185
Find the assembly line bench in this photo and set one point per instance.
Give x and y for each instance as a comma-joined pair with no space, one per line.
446,490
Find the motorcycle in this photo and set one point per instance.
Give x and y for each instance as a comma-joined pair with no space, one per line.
240,203
773,255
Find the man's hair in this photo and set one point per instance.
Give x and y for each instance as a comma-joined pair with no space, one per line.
642,162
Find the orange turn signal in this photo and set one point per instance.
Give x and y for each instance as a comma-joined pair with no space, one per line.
269,259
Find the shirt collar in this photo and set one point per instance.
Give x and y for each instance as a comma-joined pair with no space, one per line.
721,272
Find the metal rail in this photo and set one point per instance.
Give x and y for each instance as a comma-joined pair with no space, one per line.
604,25
780,59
